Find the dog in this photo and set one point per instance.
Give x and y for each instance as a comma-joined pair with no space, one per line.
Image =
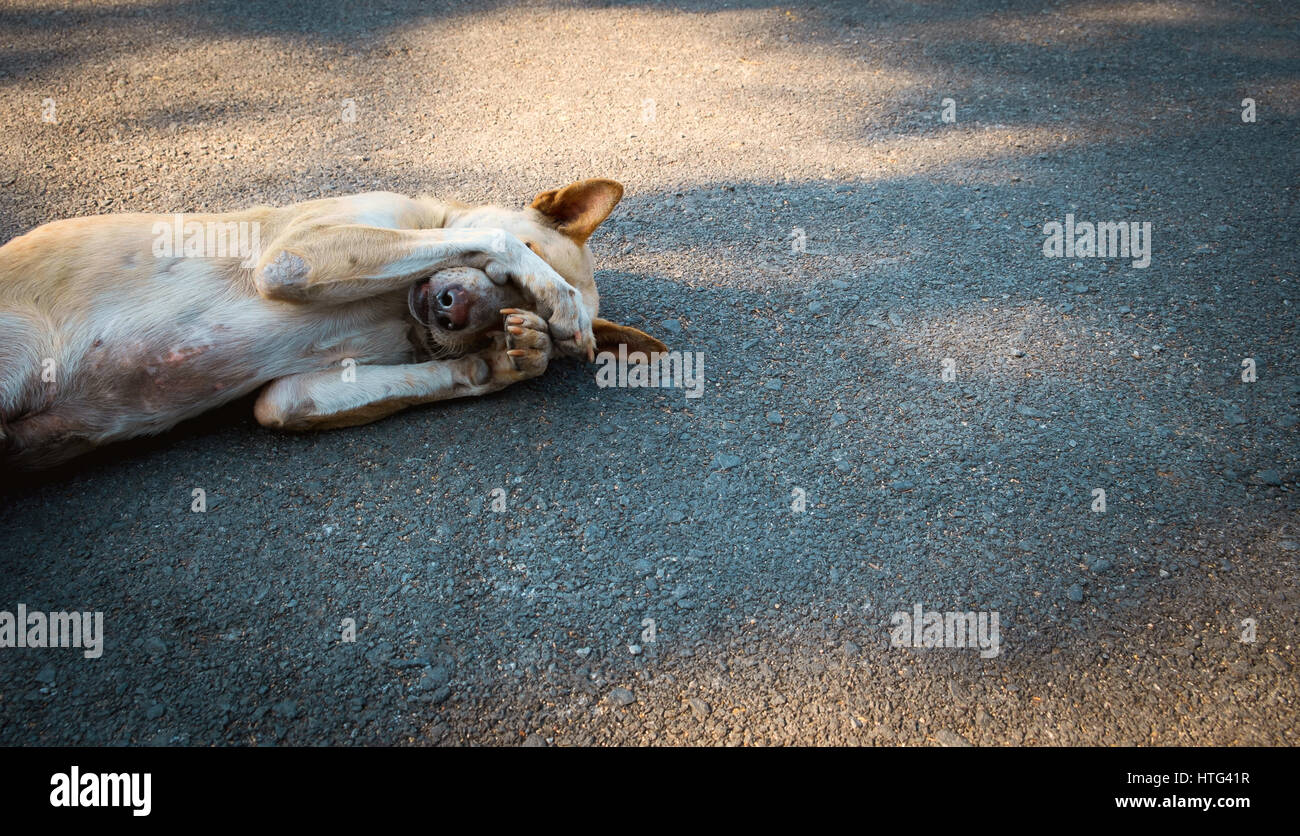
342,310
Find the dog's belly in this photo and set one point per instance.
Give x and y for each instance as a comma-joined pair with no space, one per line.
138,364
149,385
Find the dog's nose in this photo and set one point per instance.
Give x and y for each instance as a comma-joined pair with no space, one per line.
452,307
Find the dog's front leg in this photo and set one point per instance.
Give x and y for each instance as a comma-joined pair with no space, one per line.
361,394
341,262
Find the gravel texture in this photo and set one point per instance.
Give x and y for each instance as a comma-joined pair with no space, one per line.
740,131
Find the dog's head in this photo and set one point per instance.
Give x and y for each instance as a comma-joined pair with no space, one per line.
462,304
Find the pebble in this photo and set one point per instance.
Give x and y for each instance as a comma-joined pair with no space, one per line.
1269,477
1075,593
621,696
950,739
726,461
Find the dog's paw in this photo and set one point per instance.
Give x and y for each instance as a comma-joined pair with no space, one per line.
528,341
521,352
567,319
571,327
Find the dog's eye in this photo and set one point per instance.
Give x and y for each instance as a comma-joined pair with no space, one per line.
532,245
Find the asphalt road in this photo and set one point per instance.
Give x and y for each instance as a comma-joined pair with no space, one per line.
740,132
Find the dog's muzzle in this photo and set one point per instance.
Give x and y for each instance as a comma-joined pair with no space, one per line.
446,307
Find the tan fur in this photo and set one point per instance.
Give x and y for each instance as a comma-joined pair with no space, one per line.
136,342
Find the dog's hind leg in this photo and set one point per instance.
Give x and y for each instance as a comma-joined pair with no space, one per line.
44,440
26,370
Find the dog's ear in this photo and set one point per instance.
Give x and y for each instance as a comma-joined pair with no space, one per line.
579,208
609,336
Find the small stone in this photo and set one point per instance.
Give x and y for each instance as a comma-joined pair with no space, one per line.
155,711
699,707
534,741
1100,565
287,709
726,461
634,649
774,418
950,738
773,384
433,678
815,307
671,325
1269,477
1075,593
46,674
839,418
901,485
621,697
1017,352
